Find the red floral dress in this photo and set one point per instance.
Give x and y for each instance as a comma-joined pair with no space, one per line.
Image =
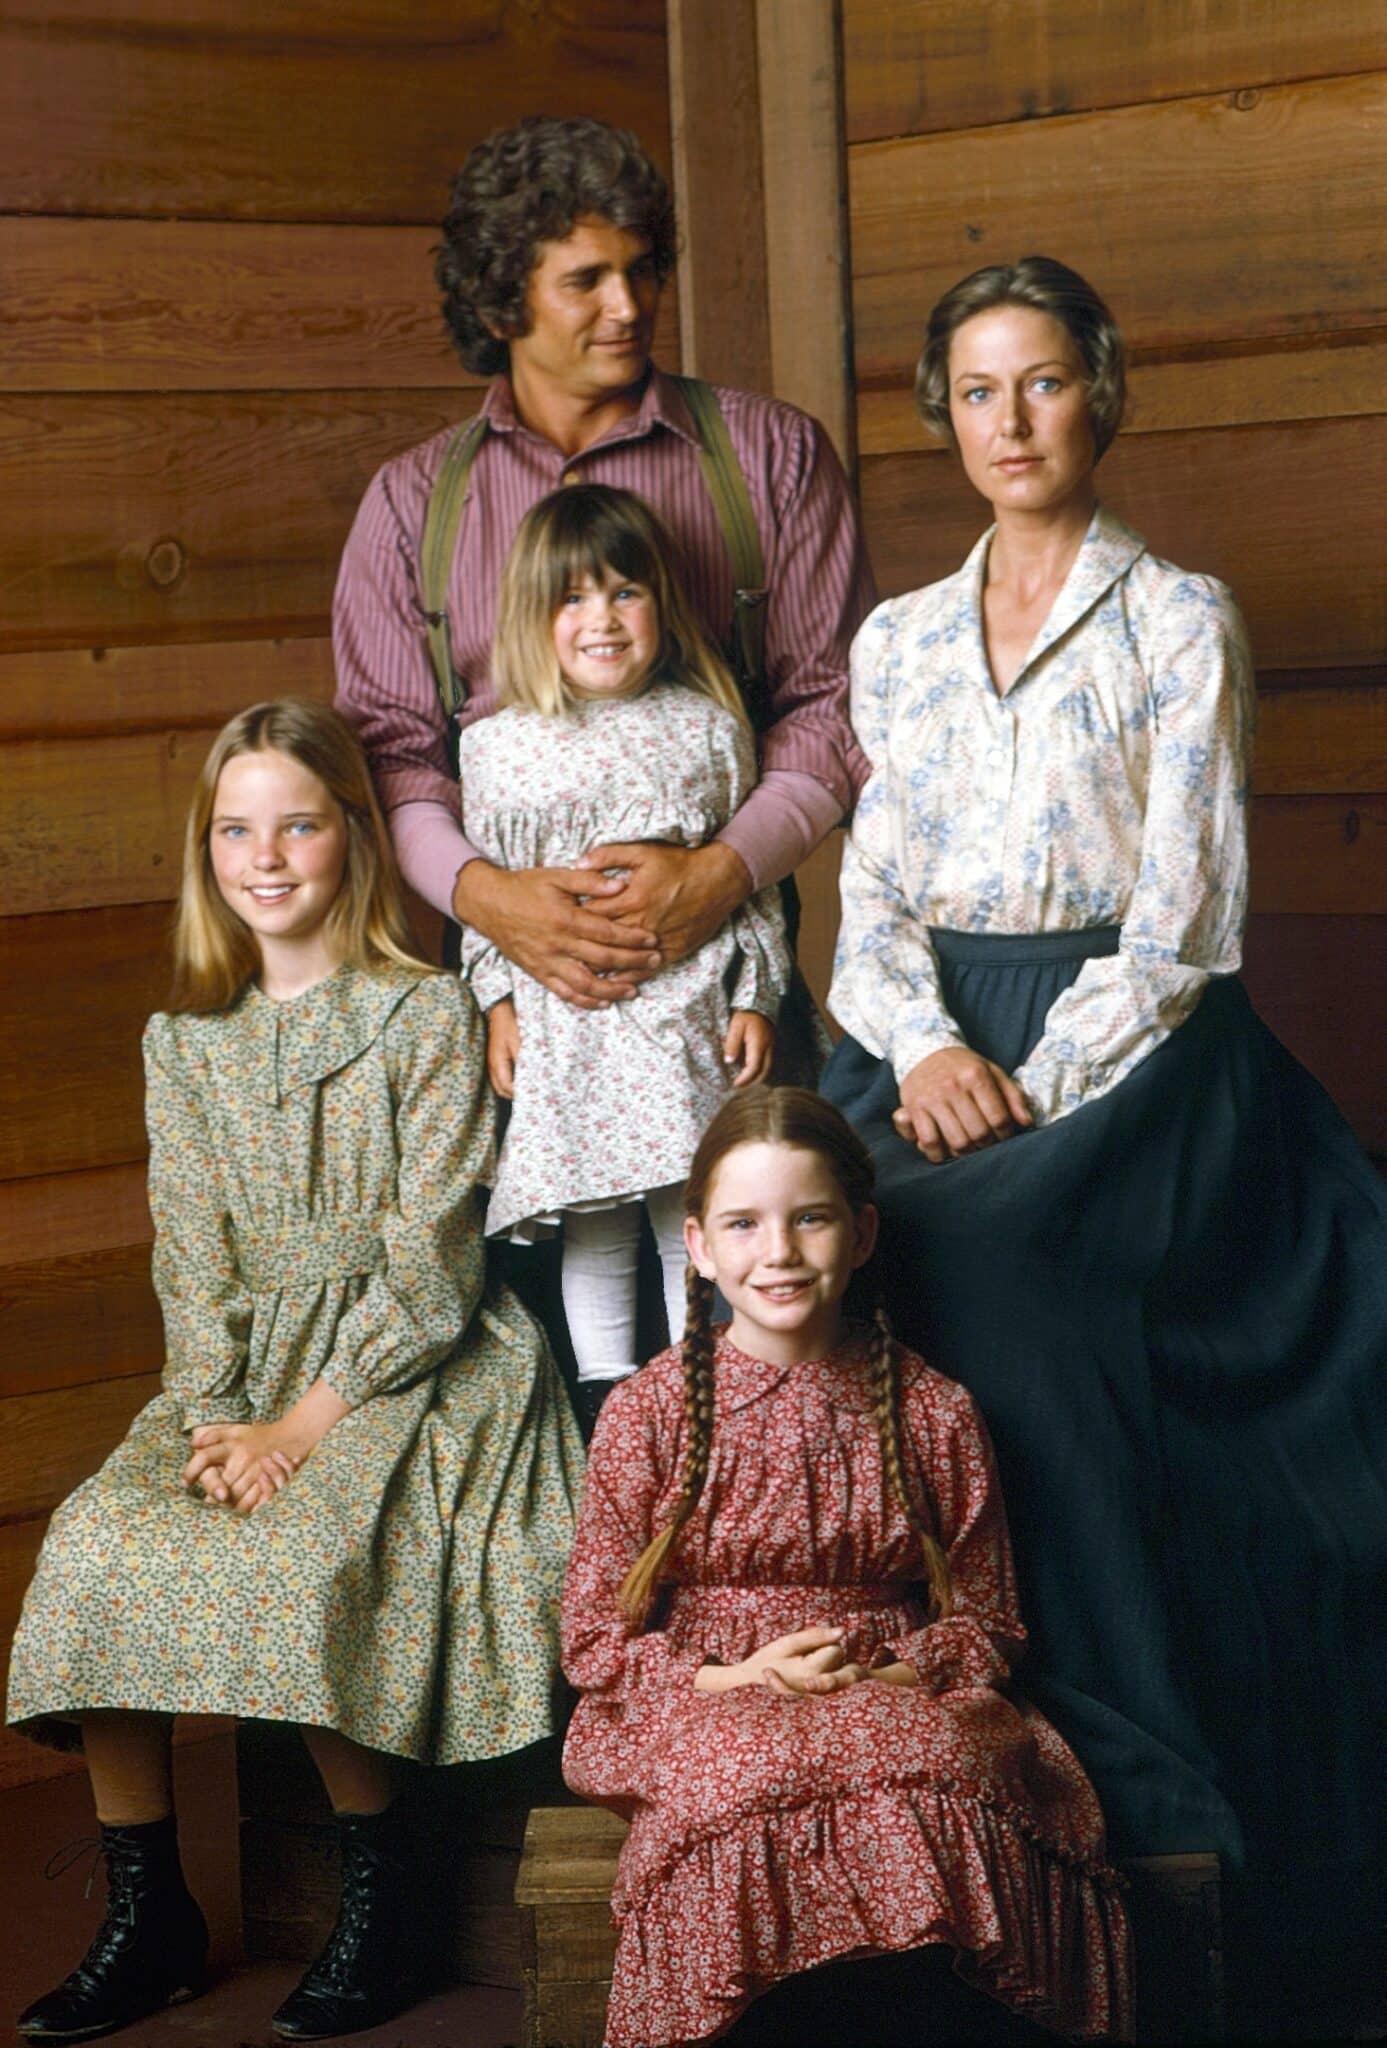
769,1834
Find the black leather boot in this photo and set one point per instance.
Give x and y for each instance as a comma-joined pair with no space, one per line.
149,1951
364,1976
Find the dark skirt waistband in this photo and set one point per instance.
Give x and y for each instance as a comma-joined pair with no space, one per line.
1015,949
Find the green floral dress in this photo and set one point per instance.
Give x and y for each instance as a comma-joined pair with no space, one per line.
314,1169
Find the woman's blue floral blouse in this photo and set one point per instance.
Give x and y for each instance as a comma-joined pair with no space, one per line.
1108,786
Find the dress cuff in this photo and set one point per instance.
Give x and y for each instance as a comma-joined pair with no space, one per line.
197,1413
914,1038
953,1655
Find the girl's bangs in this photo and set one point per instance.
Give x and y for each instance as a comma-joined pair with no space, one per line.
599,546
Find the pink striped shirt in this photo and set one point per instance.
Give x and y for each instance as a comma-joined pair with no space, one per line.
816,571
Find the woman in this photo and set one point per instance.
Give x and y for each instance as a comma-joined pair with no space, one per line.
1113,1205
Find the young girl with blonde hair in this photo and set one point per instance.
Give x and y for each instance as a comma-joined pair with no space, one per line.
621,724
792,1614
348,1507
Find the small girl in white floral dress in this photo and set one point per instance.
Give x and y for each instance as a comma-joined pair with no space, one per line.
621,724
350,1505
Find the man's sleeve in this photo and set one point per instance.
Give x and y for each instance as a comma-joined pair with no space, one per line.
820,592
386,691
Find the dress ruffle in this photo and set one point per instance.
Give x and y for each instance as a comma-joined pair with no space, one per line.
709,1928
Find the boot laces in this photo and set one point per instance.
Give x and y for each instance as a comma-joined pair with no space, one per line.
62,1860
366,1870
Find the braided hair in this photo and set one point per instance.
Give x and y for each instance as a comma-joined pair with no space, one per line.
696,1356
798,1118
883,1365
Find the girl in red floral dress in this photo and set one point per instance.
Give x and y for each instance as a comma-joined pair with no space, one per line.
791,1613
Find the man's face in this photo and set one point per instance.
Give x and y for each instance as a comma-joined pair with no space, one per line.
591,309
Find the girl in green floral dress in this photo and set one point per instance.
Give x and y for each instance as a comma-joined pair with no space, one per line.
351,1505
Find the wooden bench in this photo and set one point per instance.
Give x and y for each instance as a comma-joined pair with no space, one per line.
567,1945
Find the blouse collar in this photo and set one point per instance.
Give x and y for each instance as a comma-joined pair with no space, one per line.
1106,553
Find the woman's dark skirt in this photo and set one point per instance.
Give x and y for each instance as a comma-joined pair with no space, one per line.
1171,1307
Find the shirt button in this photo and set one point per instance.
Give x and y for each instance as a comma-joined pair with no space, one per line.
572,476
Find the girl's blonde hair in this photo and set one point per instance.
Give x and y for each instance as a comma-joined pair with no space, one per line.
585,530
215,953
777,1116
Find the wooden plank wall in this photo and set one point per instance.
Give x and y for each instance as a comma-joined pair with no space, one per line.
218,319
1217,171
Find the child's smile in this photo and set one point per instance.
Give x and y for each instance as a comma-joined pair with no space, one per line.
607,636
278,848
778,1237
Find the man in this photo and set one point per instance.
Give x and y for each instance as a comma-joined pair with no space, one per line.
560,237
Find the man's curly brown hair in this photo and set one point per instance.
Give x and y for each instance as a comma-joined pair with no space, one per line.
530,184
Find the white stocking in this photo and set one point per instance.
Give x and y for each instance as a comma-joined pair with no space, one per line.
601,1250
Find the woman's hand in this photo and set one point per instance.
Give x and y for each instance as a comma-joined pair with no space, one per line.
244,1464
954,1101
502,1047
749,1047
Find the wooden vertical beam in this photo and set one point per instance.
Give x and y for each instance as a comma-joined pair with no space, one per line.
760,166
804,171
715,123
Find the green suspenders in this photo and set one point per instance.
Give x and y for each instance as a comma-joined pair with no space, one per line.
722,473
726,485
441,523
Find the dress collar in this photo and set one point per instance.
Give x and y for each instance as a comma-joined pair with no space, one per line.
840,1378
282,1047
1106,553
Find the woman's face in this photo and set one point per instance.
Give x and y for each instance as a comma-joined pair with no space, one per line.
1019,408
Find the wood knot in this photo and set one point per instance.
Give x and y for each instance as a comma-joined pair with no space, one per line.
1246,99
165,563
1353,825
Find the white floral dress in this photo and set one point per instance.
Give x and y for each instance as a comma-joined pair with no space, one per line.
610,1103
314,1170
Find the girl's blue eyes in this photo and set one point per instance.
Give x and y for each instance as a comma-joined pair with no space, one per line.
301,828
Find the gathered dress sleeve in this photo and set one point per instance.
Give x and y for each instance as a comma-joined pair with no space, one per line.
1185,918
949,1448
885,990
764,961
205,1303
419,1301
631,1461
